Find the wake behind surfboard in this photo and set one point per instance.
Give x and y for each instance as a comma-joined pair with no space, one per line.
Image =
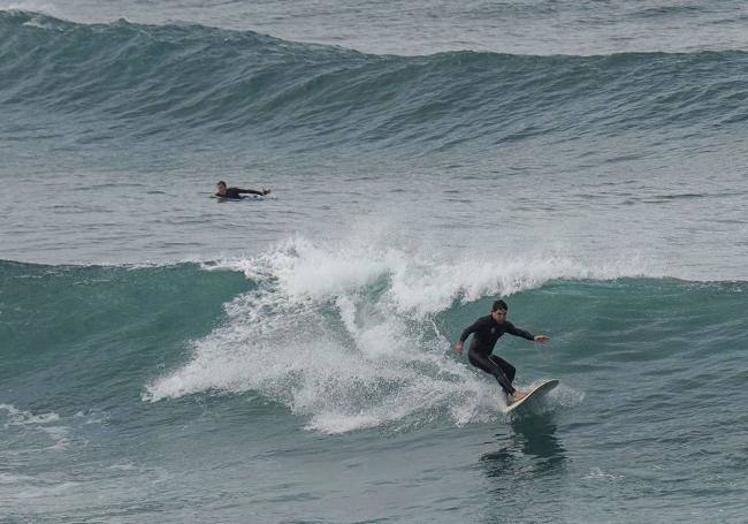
535,393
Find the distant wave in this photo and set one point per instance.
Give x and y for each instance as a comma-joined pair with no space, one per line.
189,82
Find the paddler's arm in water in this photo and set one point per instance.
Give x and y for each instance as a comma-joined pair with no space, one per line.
465,334
517,332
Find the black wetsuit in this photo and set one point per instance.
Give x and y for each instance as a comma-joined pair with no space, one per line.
236,193
486,331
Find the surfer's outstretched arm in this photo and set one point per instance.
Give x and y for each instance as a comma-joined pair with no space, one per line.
254,191
517,332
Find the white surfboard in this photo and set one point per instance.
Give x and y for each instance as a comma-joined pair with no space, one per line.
535,393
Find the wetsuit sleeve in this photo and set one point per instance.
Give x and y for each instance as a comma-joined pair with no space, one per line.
250,191
517,332
470,329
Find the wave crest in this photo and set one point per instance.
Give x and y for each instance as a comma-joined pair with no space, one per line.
349,335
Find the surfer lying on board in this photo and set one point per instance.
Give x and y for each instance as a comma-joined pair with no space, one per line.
234,192
486,331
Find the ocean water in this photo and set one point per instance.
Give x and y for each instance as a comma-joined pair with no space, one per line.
168,357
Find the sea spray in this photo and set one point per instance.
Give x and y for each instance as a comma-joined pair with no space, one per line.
345,333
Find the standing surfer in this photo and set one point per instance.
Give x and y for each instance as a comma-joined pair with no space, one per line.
486,331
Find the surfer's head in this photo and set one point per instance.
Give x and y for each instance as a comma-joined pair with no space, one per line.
498,311
221,187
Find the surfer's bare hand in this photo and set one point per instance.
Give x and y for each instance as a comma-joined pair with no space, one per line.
458,347
542,339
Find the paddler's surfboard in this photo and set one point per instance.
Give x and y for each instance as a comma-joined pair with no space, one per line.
242,198
535,393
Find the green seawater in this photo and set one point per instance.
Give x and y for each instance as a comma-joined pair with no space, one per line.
647,418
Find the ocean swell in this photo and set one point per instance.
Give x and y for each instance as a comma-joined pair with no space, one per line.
190,82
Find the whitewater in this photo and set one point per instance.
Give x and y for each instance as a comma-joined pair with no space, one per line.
170,357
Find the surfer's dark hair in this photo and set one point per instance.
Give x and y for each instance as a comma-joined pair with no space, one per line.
499,304
221,183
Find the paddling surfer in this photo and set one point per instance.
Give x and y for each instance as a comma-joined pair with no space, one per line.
486,331
235,193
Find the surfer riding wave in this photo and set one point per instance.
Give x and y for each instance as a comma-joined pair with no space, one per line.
486,331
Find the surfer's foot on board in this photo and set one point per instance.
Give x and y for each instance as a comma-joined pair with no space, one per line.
517,396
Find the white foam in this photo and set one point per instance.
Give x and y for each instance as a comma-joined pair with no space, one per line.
342,332
17,417
420,280
47,423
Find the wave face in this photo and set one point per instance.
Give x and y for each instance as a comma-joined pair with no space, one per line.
72,332
174,83
139,382
347,338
